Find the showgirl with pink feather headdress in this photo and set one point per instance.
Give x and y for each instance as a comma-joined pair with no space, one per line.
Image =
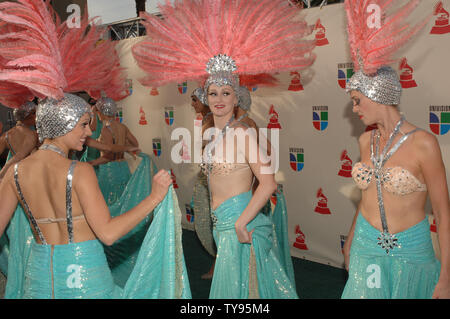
42,57
400,166
375,37
222,44
218,41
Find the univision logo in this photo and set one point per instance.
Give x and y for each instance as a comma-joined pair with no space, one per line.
169,115
182,87
156,146
440,119
189,214
345,72
296,159
320,117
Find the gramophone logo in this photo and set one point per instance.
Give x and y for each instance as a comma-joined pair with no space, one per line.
182,87
296,84
273,119
441,25
274,198
174,179
296,159
320,117
433,227
189,214
406,75
154,91
322,205
300,239
345,72
142,119
346,166
440,119
169,115
156,146
321,38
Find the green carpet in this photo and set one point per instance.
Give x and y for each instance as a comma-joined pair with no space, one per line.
313,280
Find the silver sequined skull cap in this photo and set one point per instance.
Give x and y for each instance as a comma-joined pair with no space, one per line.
106,106
245,100
383,87
55,118
24,110
198,92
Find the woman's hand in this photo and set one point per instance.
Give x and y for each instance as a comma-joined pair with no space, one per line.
243,235
442,290
346,252
160,185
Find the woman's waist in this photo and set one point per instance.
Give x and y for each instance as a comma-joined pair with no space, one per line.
225,216
78,248
413,241
398,220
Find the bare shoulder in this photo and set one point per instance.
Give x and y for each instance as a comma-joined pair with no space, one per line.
84,171
364,139
425,142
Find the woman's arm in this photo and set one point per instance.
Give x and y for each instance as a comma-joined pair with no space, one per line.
433,171
348,241
8,200
267,186
110,147
131,139
106,228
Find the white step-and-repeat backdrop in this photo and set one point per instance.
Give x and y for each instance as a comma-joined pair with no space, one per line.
318,133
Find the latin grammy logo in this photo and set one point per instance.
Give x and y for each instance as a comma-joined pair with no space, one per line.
346,167
321,38
296,84
406,75
441,25
299,239
174,179
142,120
322,205
273,120
154,92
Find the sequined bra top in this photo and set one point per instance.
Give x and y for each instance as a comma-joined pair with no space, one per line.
395,180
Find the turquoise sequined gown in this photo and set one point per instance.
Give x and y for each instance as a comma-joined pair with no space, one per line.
410,271
262,269
81,270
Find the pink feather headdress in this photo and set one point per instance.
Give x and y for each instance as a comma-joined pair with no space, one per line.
376,36
250,38
377,29
40,56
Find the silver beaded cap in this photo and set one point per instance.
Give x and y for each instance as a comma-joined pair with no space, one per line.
56,118
245,99
106,106
382,87
24,110
199,93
